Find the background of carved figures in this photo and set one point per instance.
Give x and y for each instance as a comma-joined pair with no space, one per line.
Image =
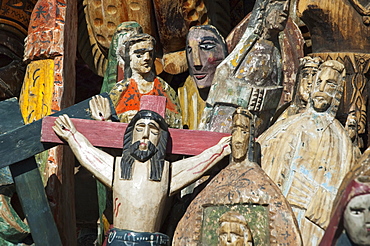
287,79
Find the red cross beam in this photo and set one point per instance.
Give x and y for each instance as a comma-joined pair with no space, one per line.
110,134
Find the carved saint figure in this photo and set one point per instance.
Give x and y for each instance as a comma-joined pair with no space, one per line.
241,183
142,80
309,154
142,178
350,223
251,76
116,54
234,230
306,76
205,49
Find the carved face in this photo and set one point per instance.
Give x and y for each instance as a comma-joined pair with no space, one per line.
277,15
324,88
232,234
205,50
357,220
141,57
146,131
240,137
306,80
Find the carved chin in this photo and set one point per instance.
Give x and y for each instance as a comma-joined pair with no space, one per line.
320,105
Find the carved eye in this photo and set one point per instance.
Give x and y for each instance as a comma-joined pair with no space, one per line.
138,56
189,49
357,211
207,46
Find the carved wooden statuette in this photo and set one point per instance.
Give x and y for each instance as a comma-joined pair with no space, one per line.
205,49
306,76
336,38
141,80
116,56
142,176
307,155
244,188
350,222
251,76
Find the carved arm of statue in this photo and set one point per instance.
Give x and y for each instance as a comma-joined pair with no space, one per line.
186,171
98,162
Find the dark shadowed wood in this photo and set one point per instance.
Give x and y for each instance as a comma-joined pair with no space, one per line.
110,135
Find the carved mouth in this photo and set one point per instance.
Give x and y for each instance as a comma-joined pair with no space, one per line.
200,76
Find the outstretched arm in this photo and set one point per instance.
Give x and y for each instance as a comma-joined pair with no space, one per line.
99,163
186,171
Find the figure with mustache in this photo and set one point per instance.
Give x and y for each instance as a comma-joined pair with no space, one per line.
141,80
141,178
308,154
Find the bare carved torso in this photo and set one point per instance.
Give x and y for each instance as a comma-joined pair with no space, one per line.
139,197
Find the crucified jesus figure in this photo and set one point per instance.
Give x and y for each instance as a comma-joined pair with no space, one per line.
141,178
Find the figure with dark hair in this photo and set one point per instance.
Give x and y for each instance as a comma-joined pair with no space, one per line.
142,80
205,49
142,178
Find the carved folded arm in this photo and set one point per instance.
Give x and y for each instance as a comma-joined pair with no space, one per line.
98,162
186,171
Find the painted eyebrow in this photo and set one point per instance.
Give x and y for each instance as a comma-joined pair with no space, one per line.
209,38
142,50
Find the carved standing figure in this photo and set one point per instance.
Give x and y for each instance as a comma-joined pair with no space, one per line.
307,155
305,78
141,80
242,187
116,55
142,178
251,76
205,49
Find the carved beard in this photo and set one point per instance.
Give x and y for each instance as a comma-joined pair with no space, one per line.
142,155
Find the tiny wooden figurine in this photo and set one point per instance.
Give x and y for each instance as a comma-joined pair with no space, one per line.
141,80
307,155
251,75
142,177
350,222
244,188
205,49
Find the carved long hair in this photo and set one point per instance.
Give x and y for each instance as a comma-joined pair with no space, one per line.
157,161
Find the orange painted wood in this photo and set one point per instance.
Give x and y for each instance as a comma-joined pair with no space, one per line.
110,135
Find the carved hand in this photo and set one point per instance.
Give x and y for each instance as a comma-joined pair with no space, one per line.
225,144
64,127
100,108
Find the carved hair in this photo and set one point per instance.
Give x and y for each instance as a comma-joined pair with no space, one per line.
157,161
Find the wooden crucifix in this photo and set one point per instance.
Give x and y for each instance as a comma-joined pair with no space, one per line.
141,178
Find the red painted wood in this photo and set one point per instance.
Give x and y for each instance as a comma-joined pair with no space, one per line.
154,103
110,135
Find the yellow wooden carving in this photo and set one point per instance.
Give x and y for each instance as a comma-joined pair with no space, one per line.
37,91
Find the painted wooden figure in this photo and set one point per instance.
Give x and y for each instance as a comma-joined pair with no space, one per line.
205,49
142,80
251,76
307,155
242,187
142,178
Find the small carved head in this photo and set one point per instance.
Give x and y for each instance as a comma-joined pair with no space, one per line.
276,16
141,52
356,217
328,87
233,230
241,133
205,49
